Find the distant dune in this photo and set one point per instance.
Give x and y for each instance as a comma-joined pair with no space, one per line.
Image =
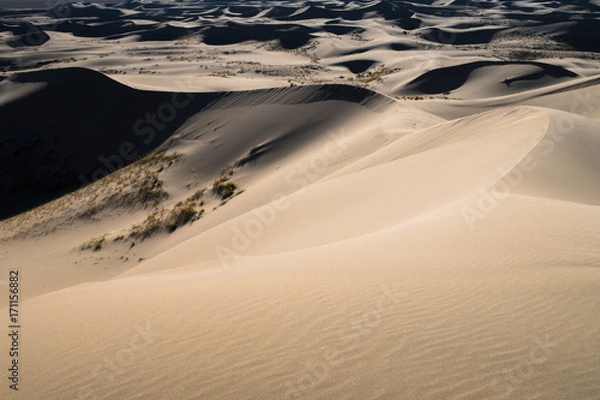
245,23
452,78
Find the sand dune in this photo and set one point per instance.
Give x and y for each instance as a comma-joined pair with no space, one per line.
262,312
301,200
517,75
84,149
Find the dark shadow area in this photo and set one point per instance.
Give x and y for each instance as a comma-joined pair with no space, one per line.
470,36
357,66
584,35
289,36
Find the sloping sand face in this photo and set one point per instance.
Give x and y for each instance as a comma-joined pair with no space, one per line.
466,269
428,229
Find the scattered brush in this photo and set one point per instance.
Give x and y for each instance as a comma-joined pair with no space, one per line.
181,214
376,74
197,196
143,189
150,226
94,244
136,186
147,190
163,220
224,188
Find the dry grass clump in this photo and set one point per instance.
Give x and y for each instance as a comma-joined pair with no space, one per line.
197,196
139,183
181,214
375,74
224,188
166,220
94,244
147,191
150,226
136,186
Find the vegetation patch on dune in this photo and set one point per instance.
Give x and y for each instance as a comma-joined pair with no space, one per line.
148,190
224,188
166,220
181,214
376,74
136,186
141,184
94,244
150,226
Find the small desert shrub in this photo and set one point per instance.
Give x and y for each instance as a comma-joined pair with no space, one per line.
180,215
197,196
224,188
166,220
151,225
95,244
144,191
89,213
227,172
150,190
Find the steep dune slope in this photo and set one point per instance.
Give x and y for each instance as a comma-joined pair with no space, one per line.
231,132
87,125
514,157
